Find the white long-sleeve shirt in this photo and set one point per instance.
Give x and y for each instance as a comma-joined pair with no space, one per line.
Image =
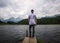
32,19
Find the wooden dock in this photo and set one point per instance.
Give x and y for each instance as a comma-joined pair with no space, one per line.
28,39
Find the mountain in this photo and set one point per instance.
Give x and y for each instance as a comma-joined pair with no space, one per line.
12,19
44,20
57,15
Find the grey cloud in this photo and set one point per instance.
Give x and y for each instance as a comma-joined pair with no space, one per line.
52,6
4,3
52,1
15,8
57,9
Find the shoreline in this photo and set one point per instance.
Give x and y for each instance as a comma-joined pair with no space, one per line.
26,24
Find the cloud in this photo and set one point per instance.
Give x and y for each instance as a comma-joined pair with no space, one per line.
5,3
21,8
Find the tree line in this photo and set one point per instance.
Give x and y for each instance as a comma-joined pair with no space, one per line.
45,20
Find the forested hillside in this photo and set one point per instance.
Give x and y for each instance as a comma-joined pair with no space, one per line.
45,20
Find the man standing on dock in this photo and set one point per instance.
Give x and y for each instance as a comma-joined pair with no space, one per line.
32,23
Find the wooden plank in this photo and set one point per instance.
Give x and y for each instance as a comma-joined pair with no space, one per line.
26,40
30,40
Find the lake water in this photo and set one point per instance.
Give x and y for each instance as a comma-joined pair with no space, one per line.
16,33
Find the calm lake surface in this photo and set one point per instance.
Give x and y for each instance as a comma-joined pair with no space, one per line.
16,33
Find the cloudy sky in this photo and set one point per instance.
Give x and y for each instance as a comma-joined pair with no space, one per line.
21,8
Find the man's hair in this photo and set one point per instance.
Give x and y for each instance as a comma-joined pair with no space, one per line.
32,10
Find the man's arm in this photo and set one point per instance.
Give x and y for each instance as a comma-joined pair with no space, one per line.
28,18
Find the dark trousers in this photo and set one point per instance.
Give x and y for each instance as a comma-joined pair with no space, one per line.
33,30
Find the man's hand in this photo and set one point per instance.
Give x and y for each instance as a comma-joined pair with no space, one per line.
35,24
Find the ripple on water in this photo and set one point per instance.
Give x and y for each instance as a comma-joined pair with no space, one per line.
16,33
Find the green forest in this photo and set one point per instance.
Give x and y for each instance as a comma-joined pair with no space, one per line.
45,20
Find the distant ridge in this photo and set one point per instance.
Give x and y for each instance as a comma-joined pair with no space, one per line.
12,19
44,20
